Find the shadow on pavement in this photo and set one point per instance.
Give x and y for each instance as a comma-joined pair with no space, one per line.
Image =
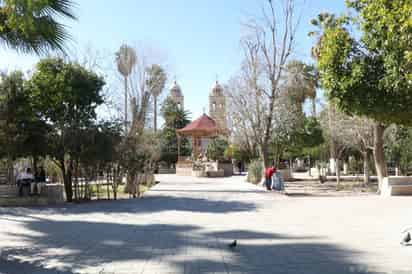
147,204
63,246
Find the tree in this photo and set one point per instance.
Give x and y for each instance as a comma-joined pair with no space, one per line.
175,118
31,26
126,60
323,21
156,83
398,144
349,132
371,76
99,153
216,149
66,95
301,82
22,131
268,46
305,137
362,138
336,127
140,149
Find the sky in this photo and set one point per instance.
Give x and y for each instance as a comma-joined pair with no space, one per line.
198,39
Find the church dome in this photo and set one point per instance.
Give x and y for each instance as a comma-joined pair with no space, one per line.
175,90
217,89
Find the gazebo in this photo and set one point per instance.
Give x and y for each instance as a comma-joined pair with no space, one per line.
203,127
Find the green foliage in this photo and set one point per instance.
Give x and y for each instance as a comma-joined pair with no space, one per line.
22,132
255,171
300,141
156,79
31,26
66,95
398,147
301,81
216,149
371,76
99,144
175,118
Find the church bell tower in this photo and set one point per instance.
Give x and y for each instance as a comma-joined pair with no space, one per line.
217,106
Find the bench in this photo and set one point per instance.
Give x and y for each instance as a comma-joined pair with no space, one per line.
7,191
398,185
50,194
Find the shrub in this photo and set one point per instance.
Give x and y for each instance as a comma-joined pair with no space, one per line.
255,171
216,149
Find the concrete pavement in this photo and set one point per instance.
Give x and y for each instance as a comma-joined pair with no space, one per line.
183,225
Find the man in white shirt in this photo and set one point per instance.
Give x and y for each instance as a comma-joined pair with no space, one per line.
24,179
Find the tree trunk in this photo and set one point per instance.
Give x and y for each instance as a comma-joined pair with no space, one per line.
310,171
314,107
155,113
337,167
125,105
365,167
67,180
265,155
378,153
10,171
397,171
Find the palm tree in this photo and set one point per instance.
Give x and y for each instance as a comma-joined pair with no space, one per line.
32,27
323,21
156,83
301,83
126,60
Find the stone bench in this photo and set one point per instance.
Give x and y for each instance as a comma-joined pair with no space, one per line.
7,191
398,185
51,194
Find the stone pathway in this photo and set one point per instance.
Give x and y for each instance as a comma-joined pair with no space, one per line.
183,225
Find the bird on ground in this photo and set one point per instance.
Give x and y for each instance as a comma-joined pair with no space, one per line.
233,244
406,238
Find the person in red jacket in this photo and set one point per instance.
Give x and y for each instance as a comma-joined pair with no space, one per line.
269,171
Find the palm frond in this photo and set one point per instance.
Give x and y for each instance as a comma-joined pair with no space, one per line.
36,29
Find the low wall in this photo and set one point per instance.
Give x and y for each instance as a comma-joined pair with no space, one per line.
227,168
167,171
184,168
398,185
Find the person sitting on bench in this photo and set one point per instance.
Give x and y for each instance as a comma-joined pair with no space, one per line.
24,179
40,181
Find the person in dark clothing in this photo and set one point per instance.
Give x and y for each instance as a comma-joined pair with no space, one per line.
40,175
40,181
239,166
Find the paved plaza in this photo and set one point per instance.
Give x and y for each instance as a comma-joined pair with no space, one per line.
183,225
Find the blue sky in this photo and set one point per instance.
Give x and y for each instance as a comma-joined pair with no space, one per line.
199,37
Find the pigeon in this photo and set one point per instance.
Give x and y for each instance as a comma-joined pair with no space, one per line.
406,239
233,244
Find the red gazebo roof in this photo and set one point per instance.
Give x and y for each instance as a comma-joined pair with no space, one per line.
203,125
